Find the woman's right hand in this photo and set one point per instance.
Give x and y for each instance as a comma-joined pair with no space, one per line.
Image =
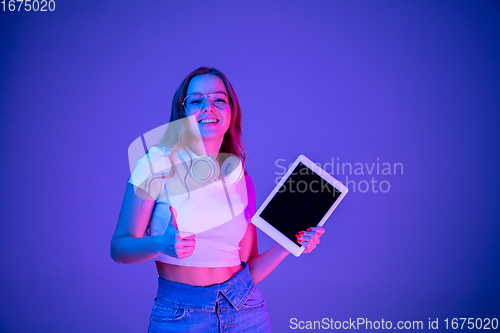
173,244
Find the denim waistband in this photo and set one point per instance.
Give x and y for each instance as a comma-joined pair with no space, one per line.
237,290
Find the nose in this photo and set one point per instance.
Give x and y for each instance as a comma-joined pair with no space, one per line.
207,104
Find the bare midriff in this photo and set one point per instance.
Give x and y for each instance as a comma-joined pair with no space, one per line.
196,276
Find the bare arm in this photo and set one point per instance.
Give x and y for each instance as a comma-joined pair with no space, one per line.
128,245
261,265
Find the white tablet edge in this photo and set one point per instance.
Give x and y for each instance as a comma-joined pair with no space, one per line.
275,233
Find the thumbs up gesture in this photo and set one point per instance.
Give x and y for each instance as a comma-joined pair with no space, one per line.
173,244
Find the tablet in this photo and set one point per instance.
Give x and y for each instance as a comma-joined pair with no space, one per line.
305,197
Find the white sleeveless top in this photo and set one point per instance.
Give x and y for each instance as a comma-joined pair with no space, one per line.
215,211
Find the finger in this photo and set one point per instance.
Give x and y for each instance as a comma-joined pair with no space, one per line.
186,249
319,230
188,242
315,233
308,242
309,245
179,250
185,243
187,235
184,255
310,237
305,242
311,232
310,248
298,237
307,248
173,218
302,240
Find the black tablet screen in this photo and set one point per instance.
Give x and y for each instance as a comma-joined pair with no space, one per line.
301,202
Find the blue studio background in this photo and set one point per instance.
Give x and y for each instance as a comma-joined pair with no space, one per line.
408,83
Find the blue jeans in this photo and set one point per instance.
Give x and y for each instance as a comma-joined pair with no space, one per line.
232,306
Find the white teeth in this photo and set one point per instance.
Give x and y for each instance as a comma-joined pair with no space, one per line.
208,121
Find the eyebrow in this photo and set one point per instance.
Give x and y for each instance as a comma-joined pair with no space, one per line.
213,92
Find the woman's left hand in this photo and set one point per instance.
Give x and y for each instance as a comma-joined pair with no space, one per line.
310,238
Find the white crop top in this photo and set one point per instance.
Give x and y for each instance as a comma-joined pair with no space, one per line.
215,212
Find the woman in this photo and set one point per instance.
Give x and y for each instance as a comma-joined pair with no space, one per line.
206,280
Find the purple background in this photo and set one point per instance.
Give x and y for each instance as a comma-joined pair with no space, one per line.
412,82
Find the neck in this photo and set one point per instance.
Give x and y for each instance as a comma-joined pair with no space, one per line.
207,146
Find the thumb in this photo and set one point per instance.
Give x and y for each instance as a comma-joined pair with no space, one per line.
173,218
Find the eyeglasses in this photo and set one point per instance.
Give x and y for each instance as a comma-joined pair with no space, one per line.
195,102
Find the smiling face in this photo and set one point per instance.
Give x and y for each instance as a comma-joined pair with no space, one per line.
211,112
